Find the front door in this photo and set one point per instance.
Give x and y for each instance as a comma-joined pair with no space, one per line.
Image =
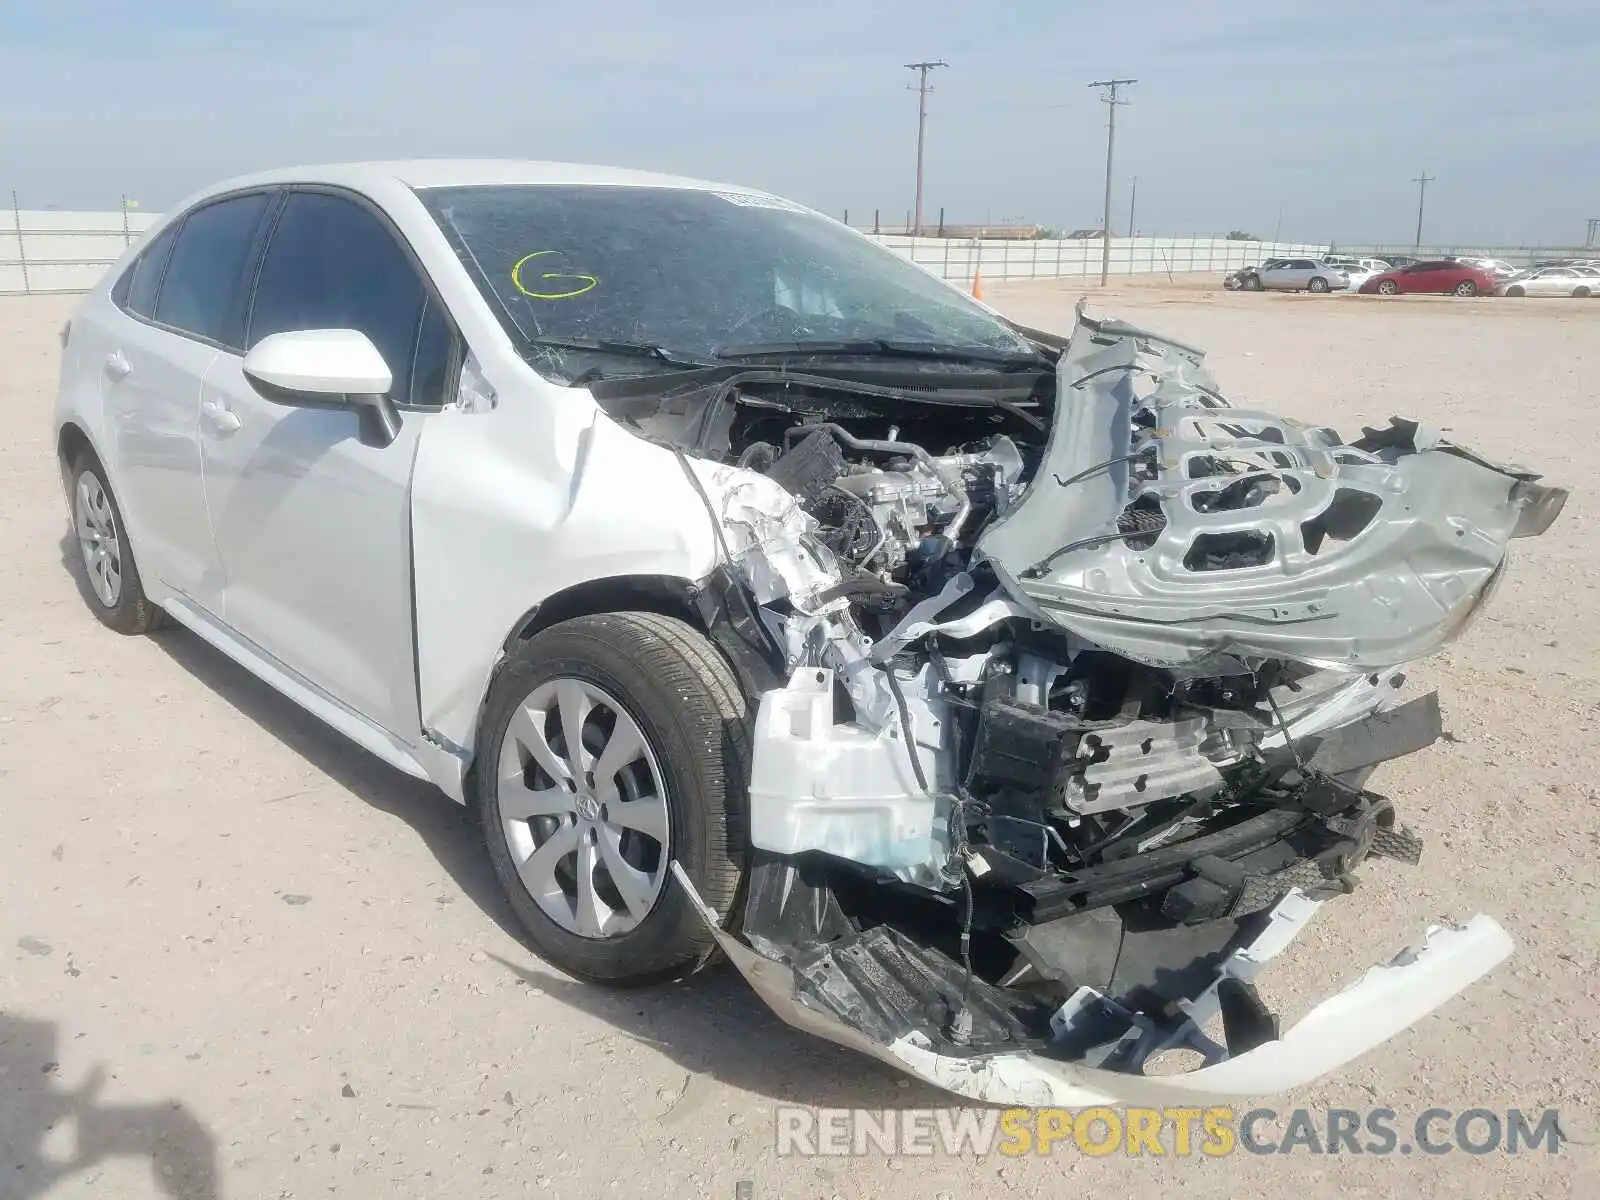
314,527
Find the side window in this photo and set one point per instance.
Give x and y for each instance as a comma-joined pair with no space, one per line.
136,291
201,293
332,264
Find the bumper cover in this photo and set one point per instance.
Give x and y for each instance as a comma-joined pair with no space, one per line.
1388,999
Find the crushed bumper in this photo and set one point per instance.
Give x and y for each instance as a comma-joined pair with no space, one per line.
1388,999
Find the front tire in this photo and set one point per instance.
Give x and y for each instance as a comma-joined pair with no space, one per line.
1580,291
110,582
1319,285
1466,288
1251,283
582,837
1516,291
1388,287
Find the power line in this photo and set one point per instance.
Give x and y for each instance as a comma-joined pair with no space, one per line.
1422,181
1110,99
922,88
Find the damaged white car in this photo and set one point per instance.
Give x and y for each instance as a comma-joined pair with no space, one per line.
998,703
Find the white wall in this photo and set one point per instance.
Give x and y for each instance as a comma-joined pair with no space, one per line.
958,259
69,251
63,251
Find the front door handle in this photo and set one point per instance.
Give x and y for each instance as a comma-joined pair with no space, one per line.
217,413
117,365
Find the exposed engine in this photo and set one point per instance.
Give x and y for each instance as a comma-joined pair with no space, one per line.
1075,673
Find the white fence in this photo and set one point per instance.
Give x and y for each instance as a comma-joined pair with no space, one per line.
958,259
44,250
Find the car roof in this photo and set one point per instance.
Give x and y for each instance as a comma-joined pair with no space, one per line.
463,172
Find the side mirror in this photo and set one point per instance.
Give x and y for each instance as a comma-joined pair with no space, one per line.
327,368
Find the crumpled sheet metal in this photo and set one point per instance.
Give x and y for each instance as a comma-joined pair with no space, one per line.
1388,999
1418,567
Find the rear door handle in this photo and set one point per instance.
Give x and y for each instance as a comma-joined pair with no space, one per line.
117,365
217,413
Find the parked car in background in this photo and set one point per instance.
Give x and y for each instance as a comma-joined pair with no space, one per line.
1299,275
1363,269
1496,266
1248,278
1434,276
1552,281
1400,260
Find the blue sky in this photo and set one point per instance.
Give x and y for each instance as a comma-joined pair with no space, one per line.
1319,111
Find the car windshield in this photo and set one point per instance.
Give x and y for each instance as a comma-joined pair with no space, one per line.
657,277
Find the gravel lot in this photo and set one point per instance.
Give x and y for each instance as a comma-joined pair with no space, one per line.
243,959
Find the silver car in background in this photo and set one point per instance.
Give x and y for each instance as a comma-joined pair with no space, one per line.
1299,275
1553,281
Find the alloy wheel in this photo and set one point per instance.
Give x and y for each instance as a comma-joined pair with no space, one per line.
584,809
97,539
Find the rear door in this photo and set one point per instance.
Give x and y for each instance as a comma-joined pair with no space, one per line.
1295,275
180,304
314,527
1558,281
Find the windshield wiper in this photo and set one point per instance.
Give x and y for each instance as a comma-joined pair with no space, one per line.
628,349
882,348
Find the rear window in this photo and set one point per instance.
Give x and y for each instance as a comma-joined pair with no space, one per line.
138,288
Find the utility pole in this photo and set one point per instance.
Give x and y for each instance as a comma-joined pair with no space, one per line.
1133,198
1110,99
1422,181
1591,233
922,88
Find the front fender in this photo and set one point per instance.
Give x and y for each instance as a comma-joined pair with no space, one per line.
514,505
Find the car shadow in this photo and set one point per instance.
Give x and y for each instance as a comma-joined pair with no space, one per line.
181,1152
711,1024
449,830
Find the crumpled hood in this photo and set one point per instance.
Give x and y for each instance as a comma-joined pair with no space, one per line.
1216,533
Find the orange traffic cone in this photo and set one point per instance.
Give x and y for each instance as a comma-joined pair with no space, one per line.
977,283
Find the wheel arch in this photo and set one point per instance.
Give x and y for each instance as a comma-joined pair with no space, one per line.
717,606
664,594
72,440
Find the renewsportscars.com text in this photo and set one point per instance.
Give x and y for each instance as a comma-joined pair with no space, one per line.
1212,1132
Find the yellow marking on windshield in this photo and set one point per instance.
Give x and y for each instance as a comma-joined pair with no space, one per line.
589,281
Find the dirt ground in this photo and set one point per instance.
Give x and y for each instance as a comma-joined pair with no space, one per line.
243,959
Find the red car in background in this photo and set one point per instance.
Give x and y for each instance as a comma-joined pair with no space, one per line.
1435,276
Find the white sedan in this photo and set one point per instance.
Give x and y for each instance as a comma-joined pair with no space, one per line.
1362,269
757,592
1553,281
